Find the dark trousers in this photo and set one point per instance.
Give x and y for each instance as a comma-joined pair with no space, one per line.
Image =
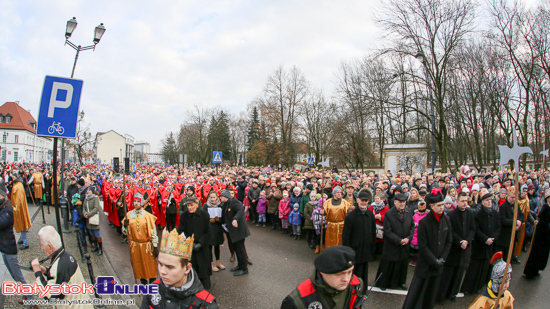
216,252
361,270
450,282
253,212
170,221
422,293
206,282
273,219
241,254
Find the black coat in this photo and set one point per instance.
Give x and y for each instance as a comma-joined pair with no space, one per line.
395,230
506,214
234,210
360,234
241,187
7,238
434,242
198,224
463,228
487,226
541,244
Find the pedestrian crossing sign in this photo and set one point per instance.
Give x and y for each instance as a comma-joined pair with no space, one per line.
310,160
217,157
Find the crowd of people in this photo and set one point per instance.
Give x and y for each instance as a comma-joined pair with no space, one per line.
448,224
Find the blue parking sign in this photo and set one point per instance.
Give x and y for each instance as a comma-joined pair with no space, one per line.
59,106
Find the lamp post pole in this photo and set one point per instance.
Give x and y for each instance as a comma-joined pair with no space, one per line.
98,33
420,55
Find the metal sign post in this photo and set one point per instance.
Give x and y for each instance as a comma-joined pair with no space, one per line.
58,117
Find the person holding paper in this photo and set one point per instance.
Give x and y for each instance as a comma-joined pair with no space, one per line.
213,207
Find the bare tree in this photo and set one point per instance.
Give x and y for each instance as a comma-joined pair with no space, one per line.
435,28
282,97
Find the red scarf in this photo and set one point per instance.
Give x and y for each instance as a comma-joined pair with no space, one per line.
438,217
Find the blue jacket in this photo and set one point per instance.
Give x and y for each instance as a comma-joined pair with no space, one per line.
295,218
7,238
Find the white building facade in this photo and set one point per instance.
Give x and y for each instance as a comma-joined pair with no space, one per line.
19,142
108,146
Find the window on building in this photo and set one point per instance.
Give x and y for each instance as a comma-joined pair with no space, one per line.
16,140
4,138
3,154
15,156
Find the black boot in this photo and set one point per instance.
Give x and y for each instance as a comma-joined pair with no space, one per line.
94,245
290,232
100,245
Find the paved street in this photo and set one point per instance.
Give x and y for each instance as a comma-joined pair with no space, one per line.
280,263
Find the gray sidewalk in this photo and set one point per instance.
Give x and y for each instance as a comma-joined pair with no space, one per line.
101,265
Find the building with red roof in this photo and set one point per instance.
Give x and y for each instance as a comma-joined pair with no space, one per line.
19,142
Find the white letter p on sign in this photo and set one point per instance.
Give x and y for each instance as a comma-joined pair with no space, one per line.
61,103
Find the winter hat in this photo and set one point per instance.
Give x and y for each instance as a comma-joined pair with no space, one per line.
466,190
296,205
524,187
81,182
475,187
435,197
365,194
226,194
546,194
448,200
502,191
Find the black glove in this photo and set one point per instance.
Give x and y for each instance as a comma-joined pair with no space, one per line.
126,223
156,252
196,247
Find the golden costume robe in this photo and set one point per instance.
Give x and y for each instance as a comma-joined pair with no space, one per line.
37,180
484,302
524,207
21,217
335,221
55,186
142,237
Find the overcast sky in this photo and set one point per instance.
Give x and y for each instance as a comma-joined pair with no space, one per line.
158,59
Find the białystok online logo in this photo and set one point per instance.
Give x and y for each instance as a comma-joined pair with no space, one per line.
105,285
108,286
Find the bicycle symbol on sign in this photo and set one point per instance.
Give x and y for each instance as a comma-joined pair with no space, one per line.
56,127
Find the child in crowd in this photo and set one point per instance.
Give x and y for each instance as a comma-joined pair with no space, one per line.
379,208
308,214
449,206
261,209
318,222
419,214
246,204
295,218
284,210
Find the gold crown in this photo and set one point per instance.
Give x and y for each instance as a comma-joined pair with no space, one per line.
177,245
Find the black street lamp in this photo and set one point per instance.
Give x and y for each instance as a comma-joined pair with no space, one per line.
420,56
71,26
